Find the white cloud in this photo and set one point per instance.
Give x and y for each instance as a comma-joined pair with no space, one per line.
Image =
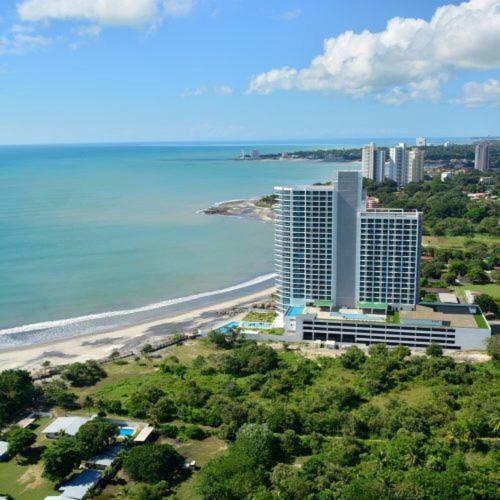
103,12
290,15
194,92
408,60
221,90
480,93
176,8
20,41
91,31
414,91
224,90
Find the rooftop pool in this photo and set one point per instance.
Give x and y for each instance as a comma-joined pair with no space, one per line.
294,311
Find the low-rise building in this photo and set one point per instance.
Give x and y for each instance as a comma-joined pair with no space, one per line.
79,486
446,176
66,425
453,326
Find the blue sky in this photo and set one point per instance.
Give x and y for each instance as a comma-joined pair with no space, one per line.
170,70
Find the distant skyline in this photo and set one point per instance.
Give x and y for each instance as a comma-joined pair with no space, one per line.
74,71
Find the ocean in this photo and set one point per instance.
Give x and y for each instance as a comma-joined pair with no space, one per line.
100,236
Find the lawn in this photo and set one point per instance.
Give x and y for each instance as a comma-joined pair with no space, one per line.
492,289
393,318
480,321
456,241
260,316
25,482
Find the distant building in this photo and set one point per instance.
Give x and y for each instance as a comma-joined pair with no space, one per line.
486,180
398,164
415,172
373,161
421,142
482,157
255,154
446,176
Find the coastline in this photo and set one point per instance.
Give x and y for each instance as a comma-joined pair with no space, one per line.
241,208
99,345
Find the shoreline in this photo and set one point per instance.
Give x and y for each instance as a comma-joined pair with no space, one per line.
241,208
100,345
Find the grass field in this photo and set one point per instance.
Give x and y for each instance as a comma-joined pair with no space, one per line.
492,289
456,241
25,482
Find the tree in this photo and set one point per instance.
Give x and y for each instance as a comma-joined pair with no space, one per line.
56,393
164,410
353,358
434,350
19,440
449,278
84,374
494,347
486,303
476,275
16,393
61,458
152,463
431,269
95,436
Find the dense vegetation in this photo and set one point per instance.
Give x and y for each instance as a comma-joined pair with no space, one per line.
386,425
447,209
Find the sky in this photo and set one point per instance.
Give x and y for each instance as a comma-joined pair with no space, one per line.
247,70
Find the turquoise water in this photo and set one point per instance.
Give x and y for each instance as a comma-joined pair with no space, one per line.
86,230
126,431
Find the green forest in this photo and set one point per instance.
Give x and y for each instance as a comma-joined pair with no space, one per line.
357,426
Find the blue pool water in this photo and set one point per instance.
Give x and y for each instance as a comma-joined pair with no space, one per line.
295,311
126,431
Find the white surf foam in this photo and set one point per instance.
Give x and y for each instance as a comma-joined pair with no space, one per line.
126,312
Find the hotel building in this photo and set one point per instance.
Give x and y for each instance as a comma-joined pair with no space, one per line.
348,274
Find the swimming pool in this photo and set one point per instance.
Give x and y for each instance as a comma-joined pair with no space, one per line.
126,431
294,311
257,325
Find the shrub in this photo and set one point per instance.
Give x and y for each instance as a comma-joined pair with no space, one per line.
434,350
152,463
84,374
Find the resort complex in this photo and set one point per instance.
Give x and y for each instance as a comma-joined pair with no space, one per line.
350,275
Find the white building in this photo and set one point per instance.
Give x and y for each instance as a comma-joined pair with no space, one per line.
329,248
398,164
421,142
482,156
373,161
415,172
66,425
446,176
389,257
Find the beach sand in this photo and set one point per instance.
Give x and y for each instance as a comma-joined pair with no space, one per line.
100,345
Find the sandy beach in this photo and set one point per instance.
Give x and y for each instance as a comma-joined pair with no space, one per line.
100,345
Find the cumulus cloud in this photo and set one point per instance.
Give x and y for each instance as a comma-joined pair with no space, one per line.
410,59
480,93
21,40
103,12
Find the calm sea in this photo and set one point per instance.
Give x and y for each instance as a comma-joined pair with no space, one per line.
99,230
